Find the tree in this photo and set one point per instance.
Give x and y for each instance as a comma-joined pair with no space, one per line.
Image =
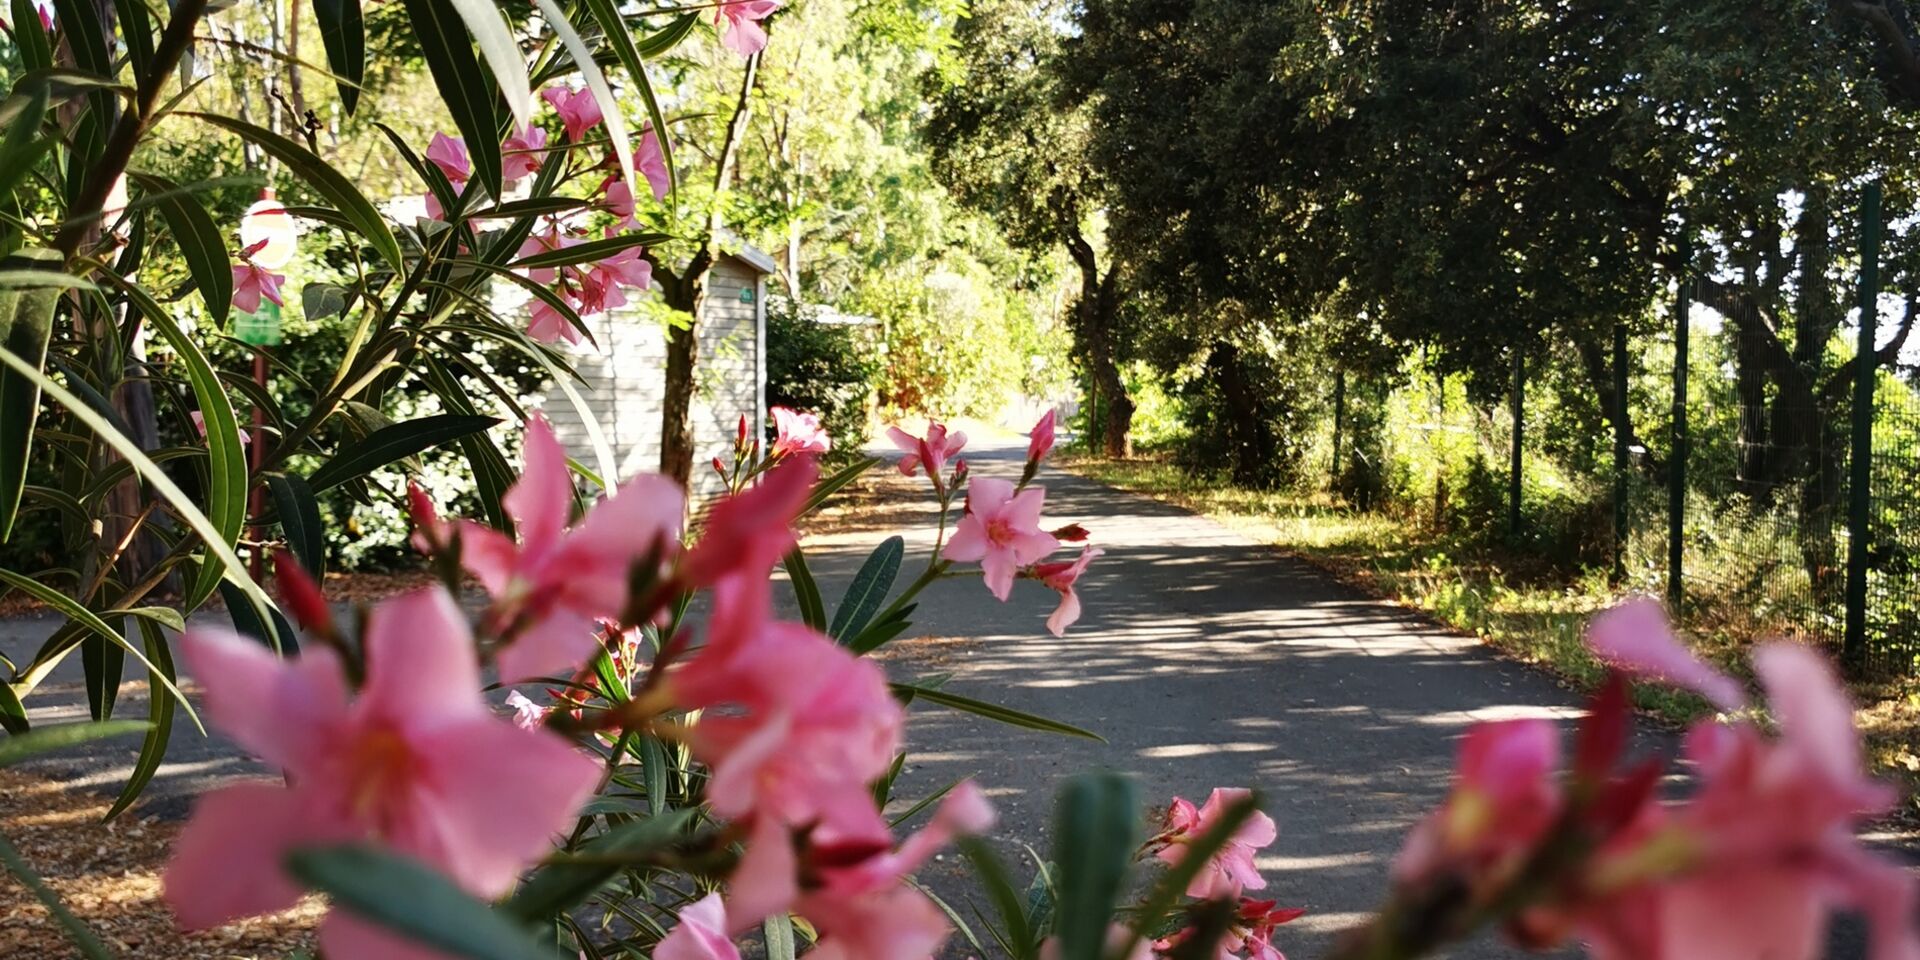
1010,140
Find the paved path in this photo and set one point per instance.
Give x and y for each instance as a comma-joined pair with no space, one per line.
1203,658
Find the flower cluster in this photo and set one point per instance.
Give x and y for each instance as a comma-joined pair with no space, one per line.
1228,874
585,288
1000,527
792,728
1749,865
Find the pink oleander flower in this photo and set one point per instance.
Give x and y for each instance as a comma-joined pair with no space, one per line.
578,110
520,154
42,7
1636,637
617,199
416,762
450,155
747,532
1755,860
252,282
1504,800
1231,870
651,161
931,452
1040,438
1062,576
553,585
743,33
798,433
1252,930
623,269
527,715
546,324
1001,530
801,725
851,886
701,933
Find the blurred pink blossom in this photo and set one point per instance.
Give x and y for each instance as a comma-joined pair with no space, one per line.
521,154
553,584
798,433
1001,531
701,933
578,110
450,155
1231,870
1636,637
1505,798
1040,438
416,762
743,33
931,452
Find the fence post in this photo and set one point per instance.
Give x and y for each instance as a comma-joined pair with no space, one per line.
1519,425
1860,466
1621,410
1682,442
1339,422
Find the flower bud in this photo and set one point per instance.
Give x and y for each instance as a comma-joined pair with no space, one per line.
300,594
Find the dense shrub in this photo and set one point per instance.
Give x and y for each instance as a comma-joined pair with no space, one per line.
822,368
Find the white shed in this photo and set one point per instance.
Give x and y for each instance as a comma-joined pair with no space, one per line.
626,375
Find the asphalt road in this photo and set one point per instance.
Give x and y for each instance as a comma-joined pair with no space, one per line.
1203,659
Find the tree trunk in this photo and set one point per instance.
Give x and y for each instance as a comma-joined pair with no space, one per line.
1094,312
1250,436
687,295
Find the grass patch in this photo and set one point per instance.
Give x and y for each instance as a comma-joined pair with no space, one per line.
1470,582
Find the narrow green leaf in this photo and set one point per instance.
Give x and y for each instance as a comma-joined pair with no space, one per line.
13,713
36,48
830,485
345,36
23,146
60,736
869,589
104,665
201,243
77,612
26,327
1000,890
778,931
325,180
226,456
1094,838
610,112
82,936
248,623
491,474
158,616
666,38
813,611
394,442
299,514
502,53
1006,715
159,719
590,252
415,901
448,48
879,632
562,885
653,770
183,505
136,32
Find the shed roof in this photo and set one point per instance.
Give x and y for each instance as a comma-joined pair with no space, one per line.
733,246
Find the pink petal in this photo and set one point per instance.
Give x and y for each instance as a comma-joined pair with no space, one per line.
1023,510
421,666
226,861
542,500
969,541
744,37
987,495
1634,636
998,568
505,793
282,711
907,442
1066,614
553,646
489,555
1742,915
1815,715
700,935
1032,546
763,884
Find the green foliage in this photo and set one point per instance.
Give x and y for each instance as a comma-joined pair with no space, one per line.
824,368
